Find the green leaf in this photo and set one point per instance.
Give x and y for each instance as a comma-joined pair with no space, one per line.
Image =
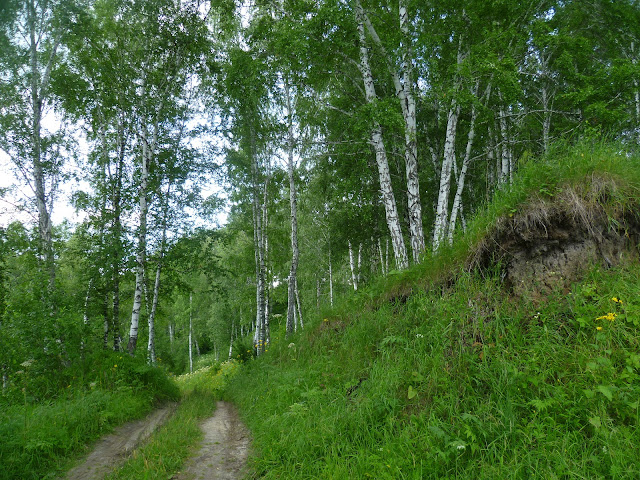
411,393
606,391
595,421
589,393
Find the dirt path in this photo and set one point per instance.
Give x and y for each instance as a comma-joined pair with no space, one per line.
112,450
224,450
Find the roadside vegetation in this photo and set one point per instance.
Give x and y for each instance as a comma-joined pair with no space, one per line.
47,419
443,372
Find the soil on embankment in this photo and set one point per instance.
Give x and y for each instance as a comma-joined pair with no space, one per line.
552,241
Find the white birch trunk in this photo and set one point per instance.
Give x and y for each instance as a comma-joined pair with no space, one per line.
233,324
457,201
386,190
636,91
191,332
442,208
404,92
140,255
359,266
382,269
298,305
39,84
354,280
330,280
505,160
411,144
295,253
264,260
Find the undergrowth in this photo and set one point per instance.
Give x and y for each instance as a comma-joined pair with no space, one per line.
438,372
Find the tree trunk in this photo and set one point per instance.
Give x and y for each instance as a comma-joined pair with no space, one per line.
298,305
505,153
411,144
117,236
404,92
233,324
386,190
141,252
293,202
354,279
457,201
258,237
38,87
382,266
442,209
190,332
330,280
151,347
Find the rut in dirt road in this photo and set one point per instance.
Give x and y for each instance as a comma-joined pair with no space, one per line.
224,450
113,450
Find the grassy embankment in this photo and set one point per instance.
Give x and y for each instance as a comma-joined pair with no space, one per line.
440,372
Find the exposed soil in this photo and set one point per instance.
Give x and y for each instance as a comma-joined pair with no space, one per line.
552,243
112,450
224,450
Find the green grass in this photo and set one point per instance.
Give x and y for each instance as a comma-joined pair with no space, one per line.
168,448
439,373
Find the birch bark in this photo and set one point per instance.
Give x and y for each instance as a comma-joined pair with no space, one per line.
386,190
142,247
457,201
354,280
404,92
151,346
442,206
39,83
295,253
190,332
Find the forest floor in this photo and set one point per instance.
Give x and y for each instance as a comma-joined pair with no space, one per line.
222,455
113,450
224,449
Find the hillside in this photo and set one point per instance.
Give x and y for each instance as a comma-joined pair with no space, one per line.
513,354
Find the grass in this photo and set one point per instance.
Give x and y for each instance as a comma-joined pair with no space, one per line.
164,454
439,372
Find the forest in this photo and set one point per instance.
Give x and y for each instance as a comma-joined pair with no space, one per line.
236,170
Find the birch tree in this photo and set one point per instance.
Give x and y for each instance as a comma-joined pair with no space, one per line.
386,190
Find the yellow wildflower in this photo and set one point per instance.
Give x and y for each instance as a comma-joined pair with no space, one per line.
598,328
609,316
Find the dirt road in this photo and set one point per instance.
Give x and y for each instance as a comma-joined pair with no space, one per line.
112,450
224,450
